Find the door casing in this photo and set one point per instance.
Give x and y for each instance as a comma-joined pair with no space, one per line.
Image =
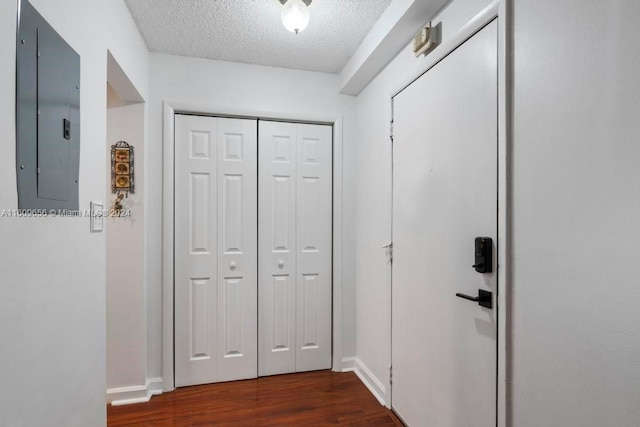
170,109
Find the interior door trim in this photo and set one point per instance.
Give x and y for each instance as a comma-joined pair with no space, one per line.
170,109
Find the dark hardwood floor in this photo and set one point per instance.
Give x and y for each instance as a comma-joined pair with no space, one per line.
306,399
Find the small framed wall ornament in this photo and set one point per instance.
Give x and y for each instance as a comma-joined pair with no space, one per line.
122,172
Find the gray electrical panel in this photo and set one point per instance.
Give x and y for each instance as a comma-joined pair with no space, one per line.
47,115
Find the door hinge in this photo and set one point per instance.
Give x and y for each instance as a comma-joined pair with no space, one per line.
391,131
390,375
389,251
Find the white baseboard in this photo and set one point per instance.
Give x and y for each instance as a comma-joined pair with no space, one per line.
348,364
153,386
375,386
134,394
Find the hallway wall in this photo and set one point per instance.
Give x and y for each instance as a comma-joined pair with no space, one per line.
576,213
126,296
576,181
576,187
52,273
373,201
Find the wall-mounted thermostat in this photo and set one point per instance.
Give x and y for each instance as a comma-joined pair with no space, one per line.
426,40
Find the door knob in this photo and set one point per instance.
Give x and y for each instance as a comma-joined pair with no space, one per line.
281,264
233,265
484,298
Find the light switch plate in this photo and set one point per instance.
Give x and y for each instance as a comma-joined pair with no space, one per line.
97,217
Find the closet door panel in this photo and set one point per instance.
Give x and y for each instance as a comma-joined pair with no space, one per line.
277,243
215,249
314,231
237,249
196,251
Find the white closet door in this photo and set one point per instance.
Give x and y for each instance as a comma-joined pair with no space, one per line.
237,249
314,209
277,253
196,253
295,247
215,250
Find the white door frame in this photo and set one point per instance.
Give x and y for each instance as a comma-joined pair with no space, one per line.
170,109
500,9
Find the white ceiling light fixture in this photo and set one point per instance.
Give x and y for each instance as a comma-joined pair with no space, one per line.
295,14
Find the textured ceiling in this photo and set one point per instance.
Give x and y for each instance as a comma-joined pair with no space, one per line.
251,30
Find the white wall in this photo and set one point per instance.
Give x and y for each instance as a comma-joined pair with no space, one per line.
235,87
576,181
52,270
126,305
373,199
576,321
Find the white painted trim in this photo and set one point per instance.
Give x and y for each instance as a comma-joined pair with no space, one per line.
348,364
389,114
167,246
170,108
375,386
134,394
497,9
338,169
505,163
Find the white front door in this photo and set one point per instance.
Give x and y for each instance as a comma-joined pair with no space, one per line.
215,249
295,210
445,195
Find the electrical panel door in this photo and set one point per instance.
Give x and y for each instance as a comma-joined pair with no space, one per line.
48,110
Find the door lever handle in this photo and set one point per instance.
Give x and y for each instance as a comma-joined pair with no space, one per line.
484,298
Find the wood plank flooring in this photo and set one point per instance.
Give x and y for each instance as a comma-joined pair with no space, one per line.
308,399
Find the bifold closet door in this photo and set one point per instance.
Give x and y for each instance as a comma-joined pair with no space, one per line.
215,249
295,210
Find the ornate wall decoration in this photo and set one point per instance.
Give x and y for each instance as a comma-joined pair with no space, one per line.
122,173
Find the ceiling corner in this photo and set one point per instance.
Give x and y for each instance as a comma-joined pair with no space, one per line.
391,33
